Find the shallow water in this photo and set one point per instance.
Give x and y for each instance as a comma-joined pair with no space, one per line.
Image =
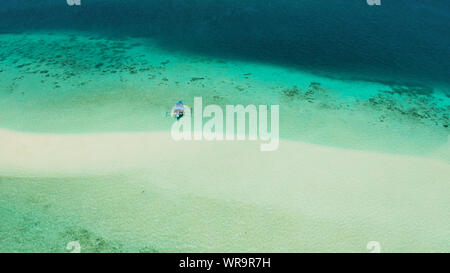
68,76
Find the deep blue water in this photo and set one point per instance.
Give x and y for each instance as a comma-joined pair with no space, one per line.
405,41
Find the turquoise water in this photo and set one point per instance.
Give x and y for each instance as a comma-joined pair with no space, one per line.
85,83
337,85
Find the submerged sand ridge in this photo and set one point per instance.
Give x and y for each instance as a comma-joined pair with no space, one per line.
399,200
